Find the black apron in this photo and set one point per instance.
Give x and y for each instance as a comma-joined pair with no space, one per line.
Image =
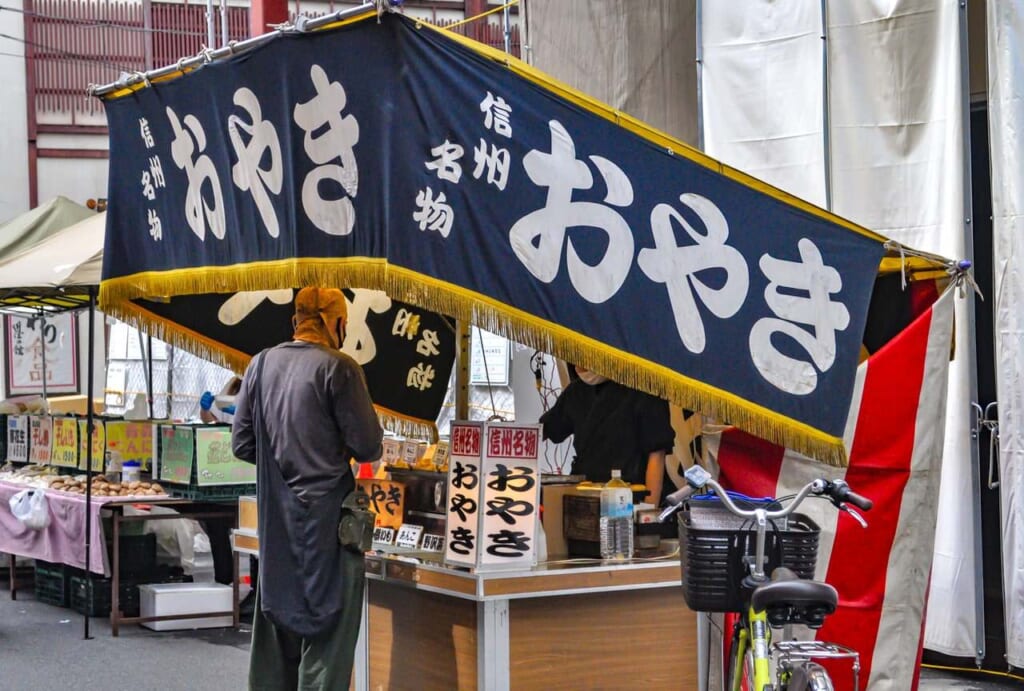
300,557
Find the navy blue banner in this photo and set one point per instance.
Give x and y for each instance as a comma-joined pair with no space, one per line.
398,146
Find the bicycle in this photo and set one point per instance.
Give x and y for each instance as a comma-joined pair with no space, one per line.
777,600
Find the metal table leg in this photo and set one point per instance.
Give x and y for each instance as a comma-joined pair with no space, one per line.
14,577
115,576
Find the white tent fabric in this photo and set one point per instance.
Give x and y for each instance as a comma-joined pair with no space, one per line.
635,56
72,256
897,167
1006,128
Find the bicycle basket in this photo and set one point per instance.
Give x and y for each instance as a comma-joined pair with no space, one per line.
713,543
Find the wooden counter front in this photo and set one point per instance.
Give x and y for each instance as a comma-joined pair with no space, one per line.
590,626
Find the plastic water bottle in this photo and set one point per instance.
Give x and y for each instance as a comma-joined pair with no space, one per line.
616,519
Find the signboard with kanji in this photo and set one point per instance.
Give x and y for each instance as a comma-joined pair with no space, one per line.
177,453
64,452
216,464
36,345
463,520
387,500
99,444
17,438
41,435
510,483
132,440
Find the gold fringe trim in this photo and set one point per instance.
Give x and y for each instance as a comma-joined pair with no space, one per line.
440,296
199,345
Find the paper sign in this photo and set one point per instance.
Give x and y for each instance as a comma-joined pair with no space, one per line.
387,500
511,495
64,451
383,536
132,440
17,438
392,451
41,434
177,445
99,444
462,512
433,543
216,464
412,450
409,536
441,455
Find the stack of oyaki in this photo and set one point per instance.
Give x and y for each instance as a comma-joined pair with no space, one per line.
102,487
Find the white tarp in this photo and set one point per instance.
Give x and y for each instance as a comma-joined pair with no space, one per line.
72,256
638,57
1006,127
897,167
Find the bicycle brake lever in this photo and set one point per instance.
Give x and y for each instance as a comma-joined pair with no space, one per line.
857,516
668,511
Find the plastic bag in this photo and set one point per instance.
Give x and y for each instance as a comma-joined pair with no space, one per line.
30,507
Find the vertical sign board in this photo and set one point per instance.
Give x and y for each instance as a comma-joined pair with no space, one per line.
511,496
99,444
387,500
17,438
133,441
64,452
216,464
41,435
177,451
463,511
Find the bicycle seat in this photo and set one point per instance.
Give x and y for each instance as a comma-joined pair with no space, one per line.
788,599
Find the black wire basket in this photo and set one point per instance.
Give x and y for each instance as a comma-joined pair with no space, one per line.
716,546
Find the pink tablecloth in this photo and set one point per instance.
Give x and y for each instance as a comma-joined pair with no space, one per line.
63,541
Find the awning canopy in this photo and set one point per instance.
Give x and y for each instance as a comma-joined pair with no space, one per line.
50,257
461,180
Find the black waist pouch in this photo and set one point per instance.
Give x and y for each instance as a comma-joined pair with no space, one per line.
355,529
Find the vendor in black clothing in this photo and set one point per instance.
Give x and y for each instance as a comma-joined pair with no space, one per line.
614,427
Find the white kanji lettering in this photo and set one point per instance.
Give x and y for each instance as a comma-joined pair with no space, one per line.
420,377
812,277
359,342
496,162
427,346
247,174
240,305
198,213
433,213
337,138
446,161
406,324
147,136
496,114
538,237
147,186
156,169
679,267
156,228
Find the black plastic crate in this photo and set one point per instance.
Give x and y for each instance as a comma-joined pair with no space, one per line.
97,602
137,555
714,545
53,583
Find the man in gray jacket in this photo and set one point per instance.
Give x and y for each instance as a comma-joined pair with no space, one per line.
302,413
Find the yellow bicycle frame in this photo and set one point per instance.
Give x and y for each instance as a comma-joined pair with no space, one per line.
756,633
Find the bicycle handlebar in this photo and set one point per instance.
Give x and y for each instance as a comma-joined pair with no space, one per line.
837,490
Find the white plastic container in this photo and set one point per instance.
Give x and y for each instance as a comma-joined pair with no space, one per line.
162,599
131,471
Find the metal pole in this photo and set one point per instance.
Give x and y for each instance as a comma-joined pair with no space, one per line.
461,370
972,354
149,371
223,23
699,15
211,34
170,382
826,113
508,31
89,421
42,342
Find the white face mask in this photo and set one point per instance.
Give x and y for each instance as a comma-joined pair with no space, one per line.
591,378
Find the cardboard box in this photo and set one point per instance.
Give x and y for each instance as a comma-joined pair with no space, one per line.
162,599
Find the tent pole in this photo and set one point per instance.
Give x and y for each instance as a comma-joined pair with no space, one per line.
42,342
89,421
699,15
972,352
826,113
149,372
461,370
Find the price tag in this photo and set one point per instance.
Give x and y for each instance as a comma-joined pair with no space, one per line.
433,543
409,536
383,536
